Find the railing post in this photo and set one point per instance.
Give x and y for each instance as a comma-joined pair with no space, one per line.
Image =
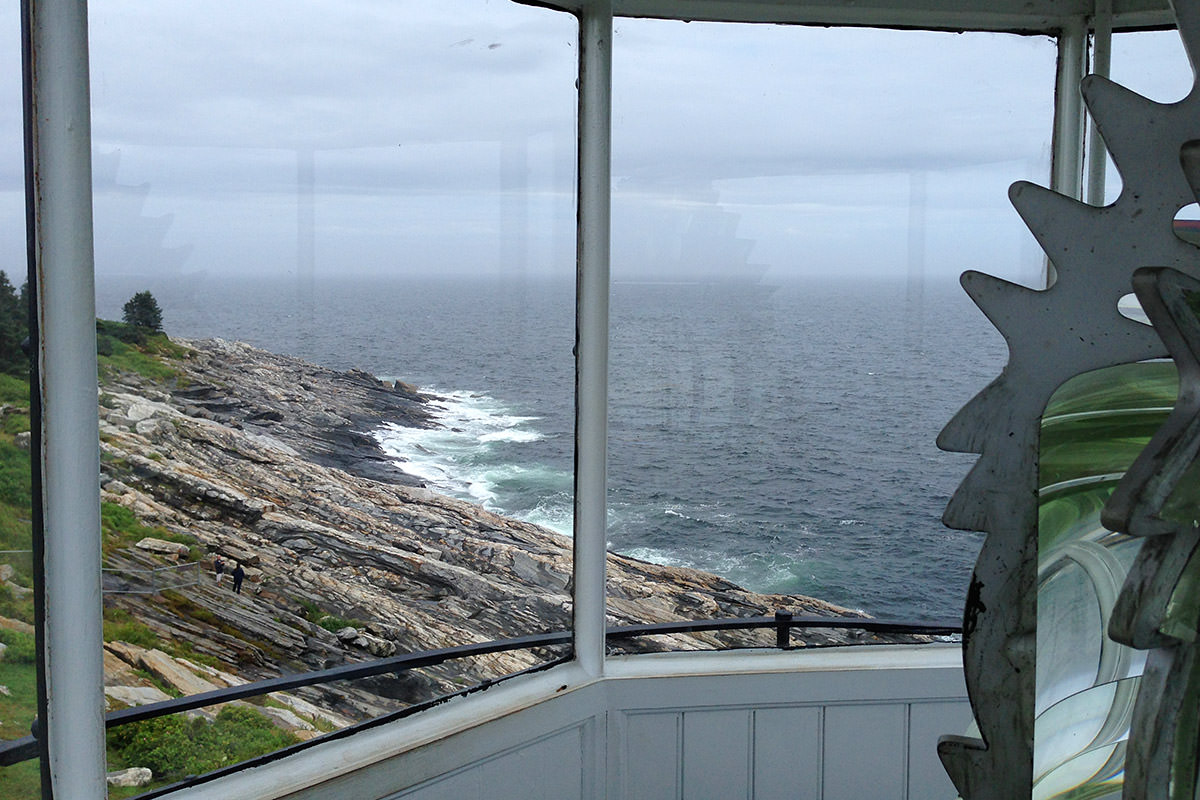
783,629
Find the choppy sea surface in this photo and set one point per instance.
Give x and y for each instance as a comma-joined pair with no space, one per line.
779,435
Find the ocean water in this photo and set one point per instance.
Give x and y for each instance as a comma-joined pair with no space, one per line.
781,436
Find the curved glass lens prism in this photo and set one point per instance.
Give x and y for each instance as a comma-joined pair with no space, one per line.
1081,742
1093,428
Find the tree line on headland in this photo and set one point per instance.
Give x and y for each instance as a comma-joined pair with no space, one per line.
14,327
141,316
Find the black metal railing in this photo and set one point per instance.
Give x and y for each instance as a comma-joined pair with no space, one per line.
152,580
783,622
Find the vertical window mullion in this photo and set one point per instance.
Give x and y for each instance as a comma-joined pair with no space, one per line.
61,211
591,331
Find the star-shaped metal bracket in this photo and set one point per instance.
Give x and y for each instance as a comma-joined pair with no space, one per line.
1072,326
1158,497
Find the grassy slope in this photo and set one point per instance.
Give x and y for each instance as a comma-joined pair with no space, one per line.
19,707
174,746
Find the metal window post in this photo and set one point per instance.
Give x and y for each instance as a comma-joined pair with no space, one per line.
61,221
591,332
1066,165
1067,169
1097,156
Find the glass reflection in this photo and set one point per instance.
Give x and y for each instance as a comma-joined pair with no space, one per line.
788,338
357,222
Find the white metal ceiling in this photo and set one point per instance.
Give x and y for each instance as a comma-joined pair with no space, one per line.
1022,16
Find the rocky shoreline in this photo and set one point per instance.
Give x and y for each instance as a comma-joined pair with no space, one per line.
267,460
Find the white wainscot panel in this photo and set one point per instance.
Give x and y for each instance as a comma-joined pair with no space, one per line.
787,754
650,754
551,768
927,722
716,754
861,724
866,747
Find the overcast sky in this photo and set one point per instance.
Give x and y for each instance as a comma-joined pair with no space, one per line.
405,137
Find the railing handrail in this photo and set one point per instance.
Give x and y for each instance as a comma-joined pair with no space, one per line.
185,565
17,750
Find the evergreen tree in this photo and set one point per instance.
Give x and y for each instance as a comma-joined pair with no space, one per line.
14,328
142,311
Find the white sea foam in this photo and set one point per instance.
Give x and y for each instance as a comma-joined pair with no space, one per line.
768,570
703,514
511,436
457,457
555,513
655,556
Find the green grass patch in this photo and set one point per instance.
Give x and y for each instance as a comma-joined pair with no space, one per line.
185,650
119,519
15,423
123,358
19,707
16,530
334,624
14,390
330,622
14,608
174,747
17,710
22,648
157,682
22,781
187,608
121,626
16,500
128,348
133,632
15,480
122,528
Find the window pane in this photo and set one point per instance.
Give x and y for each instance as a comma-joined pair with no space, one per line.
792,207
377,199
1153,64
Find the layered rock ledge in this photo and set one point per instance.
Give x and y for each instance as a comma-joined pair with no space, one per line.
268,461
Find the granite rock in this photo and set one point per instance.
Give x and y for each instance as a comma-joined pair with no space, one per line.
134,776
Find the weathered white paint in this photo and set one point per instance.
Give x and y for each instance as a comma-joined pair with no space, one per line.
843,723
70,455
591,334
356,758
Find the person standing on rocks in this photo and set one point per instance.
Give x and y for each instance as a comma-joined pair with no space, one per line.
239,575
219,569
